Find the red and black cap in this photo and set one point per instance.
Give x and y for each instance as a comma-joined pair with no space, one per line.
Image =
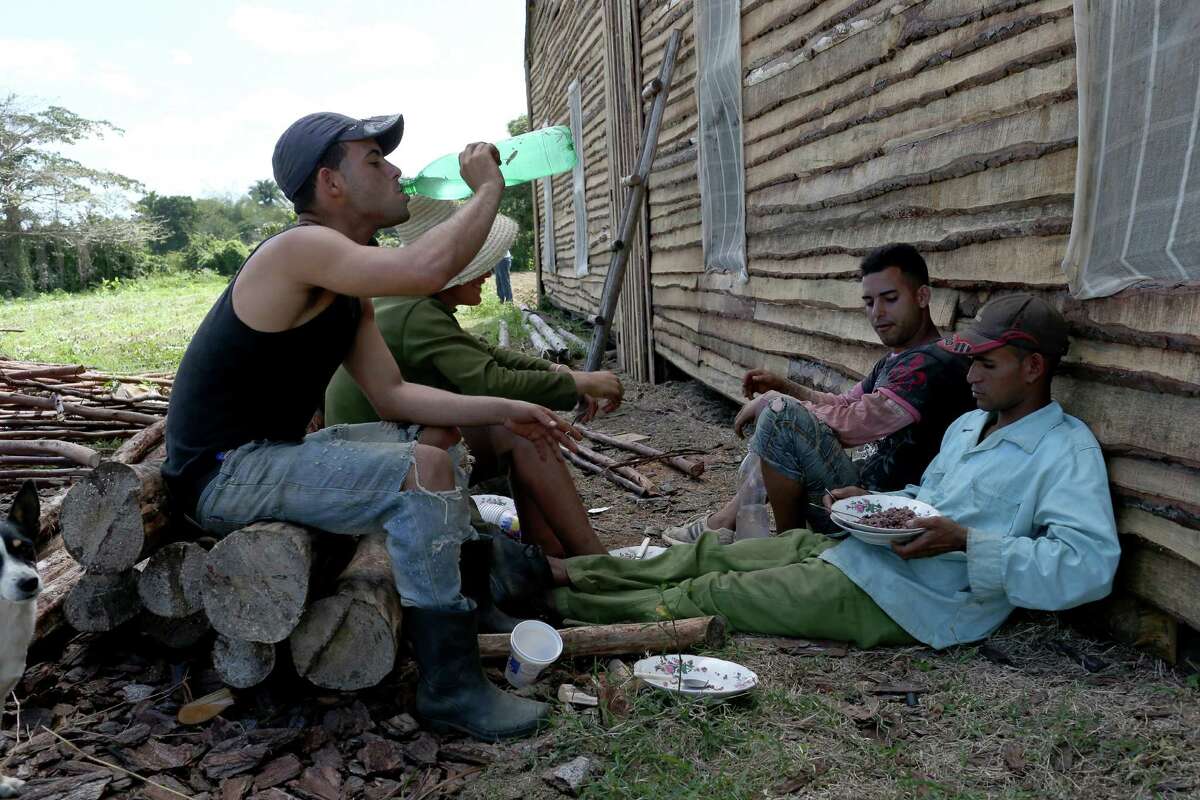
1020,320
306,140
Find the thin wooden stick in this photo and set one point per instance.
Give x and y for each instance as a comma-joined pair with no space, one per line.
693,469
24,474
69,450
110,765
87,412
588,466
611,465
43,372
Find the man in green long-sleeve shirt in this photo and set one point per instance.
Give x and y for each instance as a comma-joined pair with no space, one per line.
431,348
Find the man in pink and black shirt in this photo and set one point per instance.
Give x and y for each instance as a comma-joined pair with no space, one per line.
895,416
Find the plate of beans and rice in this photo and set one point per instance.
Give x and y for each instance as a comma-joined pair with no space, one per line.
880,519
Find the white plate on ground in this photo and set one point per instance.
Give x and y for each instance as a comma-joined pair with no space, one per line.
631,552
866,505
696,676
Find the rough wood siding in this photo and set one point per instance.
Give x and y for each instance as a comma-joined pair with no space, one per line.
565,43
950,124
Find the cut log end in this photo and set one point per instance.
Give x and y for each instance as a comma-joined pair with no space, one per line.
172,583
349,640
112,519
99,603
344,643
242,664
256,581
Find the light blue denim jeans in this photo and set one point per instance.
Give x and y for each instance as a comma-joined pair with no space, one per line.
801,447
347,479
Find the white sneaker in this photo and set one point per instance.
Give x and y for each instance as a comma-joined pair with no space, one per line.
691,532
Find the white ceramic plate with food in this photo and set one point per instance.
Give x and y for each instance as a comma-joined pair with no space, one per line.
855,515
696,676
631,552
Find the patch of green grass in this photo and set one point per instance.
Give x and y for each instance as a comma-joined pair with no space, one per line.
123,327
483,320
670,748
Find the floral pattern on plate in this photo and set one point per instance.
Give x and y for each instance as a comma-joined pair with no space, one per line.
720,678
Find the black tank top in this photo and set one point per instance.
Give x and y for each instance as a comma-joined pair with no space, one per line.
237,385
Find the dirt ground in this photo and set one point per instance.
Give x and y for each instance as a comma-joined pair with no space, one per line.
1040,711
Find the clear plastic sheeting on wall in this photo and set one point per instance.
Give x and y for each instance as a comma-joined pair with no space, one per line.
1137,186
579,198
721,161
549,255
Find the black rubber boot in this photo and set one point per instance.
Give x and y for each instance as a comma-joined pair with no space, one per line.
453,694
520,573
475,565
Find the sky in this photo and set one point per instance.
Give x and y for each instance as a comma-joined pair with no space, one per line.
203,89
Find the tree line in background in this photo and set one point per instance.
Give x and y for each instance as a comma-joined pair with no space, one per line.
65,226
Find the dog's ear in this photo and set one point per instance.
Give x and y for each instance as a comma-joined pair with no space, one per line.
26,510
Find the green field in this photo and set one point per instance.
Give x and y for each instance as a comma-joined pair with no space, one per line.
136,326
145,325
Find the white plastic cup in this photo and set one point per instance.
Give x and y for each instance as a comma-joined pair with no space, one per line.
534,645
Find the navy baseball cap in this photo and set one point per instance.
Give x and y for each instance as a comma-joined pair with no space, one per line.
303,143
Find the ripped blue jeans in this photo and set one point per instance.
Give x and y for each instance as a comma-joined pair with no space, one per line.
800,447
347,479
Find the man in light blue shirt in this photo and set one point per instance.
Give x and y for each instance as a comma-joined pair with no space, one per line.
1026,520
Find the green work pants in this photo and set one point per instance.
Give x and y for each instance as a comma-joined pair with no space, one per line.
776,585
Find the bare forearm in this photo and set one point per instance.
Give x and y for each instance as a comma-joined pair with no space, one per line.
449,247
798,391
424,405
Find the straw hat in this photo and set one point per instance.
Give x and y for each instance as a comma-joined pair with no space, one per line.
426,213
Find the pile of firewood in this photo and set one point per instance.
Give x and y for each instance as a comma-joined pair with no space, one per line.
50,413
119,559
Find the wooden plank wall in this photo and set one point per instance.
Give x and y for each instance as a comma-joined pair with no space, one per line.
950,124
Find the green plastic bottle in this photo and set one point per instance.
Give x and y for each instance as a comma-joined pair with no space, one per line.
547,151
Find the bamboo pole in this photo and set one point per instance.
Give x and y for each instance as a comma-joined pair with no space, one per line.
635,195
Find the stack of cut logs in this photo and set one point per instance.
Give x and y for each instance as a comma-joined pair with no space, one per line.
49,413
548,341
259,588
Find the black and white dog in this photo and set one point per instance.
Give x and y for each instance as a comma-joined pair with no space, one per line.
19,587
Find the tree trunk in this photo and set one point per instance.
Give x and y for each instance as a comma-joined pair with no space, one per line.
256,581
99,603
172,583
242,664
116,517
635,637
349,640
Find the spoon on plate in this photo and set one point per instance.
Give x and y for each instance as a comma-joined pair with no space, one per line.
668,680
